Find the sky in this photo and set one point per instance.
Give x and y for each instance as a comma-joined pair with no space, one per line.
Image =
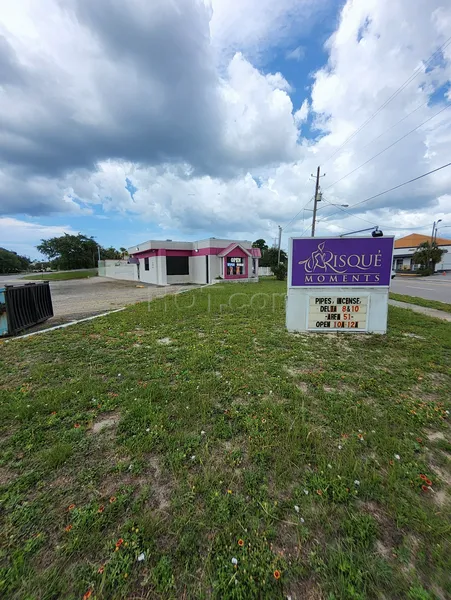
185,119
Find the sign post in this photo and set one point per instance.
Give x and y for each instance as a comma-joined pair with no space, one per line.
339,284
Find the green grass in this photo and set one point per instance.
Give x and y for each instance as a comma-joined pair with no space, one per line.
228,441
421,302
63,276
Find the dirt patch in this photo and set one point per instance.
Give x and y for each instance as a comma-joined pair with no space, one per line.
304,371
304,590
165,341
434,436
6,476
302,386
158,483
105,423
161,485
440,498
389,536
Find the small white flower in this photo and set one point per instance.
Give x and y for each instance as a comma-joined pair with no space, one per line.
340,447
202,432
248,393
302,520
187,407
270,391
447,412
360,431
296,508
356,482
119,375
234,561
193,457
397,457
28,405
197,387
148,429
306,492
141,557
329,466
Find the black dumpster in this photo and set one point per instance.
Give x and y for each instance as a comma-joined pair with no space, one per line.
25,306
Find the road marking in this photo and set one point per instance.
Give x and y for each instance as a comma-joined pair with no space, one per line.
413,287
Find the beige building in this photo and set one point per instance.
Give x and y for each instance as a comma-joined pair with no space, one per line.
406,246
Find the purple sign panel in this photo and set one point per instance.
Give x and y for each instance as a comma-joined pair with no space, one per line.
341,261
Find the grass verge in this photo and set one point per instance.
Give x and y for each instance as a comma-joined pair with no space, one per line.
193,448
63,276
422,302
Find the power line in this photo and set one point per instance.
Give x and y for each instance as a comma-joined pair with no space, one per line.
395,124
394,188
345,210
298,213
415,74
388,147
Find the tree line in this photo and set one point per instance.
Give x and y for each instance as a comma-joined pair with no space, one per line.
64,253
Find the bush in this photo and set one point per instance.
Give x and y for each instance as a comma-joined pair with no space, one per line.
280,271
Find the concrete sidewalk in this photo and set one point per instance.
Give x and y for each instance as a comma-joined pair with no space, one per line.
429,312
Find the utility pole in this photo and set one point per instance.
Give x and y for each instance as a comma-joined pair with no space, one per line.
278,245
317,199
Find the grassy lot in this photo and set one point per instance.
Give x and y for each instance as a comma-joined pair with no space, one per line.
194,449
422,302
63,275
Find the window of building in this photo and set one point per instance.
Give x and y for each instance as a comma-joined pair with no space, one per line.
177,265
235,265
146,264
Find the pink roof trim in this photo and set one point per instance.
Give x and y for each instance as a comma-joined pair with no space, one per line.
256,252
231,247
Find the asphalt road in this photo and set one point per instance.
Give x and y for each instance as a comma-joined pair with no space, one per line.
435,287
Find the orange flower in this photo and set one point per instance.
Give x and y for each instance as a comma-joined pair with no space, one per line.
88,594
319,492
428,482
68,527
392,462
77,425
240,543
101,569
425,488
360,436
419,440
423,477
277,574
101,509
112,499
119,542
71,507
53,412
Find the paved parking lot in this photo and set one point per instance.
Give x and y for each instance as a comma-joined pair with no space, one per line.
79,298
435,287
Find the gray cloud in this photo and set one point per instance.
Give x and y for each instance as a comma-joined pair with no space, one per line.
153,96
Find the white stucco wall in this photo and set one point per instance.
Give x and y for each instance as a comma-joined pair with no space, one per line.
197,269
118,269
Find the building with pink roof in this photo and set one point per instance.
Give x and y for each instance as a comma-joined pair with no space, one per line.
205,261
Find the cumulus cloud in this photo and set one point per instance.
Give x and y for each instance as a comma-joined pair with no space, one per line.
172,97
22,236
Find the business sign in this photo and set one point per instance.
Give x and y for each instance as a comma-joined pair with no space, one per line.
235,261
341,262
332,313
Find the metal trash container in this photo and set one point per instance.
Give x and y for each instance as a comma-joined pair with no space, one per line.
24,306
